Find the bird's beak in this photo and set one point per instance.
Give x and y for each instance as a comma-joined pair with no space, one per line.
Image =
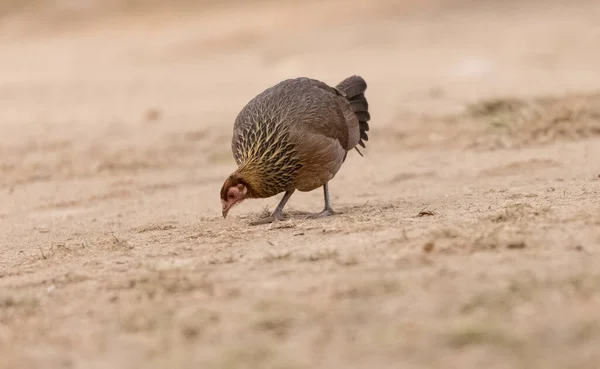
226,208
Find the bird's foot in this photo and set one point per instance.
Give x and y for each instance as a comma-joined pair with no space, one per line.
275,217
325,213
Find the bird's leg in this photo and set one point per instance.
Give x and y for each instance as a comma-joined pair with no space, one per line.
278,212
328,210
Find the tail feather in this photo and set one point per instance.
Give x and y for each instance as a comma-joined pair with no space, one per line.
363,116
354,87
359,105
363,136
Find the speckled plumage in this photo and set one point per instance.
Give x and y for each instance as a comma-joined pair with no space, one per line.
296,135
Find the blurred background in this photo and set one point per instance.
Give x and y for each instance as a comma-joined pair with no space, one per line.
433,52
469,229
457,49
85,65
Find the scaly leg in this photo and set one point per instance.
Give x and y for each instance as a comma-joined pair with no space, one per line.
328,210
277,214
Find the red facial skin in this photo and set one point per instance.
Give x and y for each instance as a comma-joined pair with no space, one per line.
233,195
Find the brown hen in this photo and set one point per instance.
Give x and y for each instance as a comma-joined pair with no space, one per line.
295,136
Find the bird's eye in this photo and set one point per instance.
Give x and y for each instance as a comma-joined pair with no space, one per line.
231,195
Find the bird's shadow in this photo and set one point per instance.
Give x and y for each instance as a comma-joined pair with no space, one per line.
291,215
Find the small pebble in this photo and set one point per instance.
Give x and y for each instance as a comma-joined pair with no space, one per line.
428,247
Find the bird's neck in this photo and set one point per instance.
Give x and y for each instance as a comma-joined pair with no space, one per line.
257,181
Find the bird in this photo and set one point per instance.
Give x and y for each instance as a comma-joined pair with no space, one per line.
295,135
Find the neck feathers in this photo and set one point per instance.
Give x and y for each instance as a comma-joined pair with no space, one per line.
267,158
265,179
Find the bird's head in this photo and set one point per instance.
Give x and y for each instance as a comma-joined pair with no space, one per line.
233,192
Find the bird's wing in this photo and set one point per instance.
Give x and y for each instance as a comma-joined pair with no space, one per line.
311,107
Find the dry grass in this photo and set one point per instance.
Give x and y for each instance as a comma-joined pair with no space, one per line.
521,122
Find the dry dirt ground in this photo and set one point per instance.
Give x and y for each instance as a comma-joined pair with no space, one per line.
470,233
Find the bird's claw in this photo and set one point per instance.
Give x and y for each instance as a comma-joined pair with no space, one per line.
325,213
275,217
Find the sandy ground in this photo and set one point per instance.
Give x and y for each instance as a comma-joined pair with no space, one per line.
470,233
